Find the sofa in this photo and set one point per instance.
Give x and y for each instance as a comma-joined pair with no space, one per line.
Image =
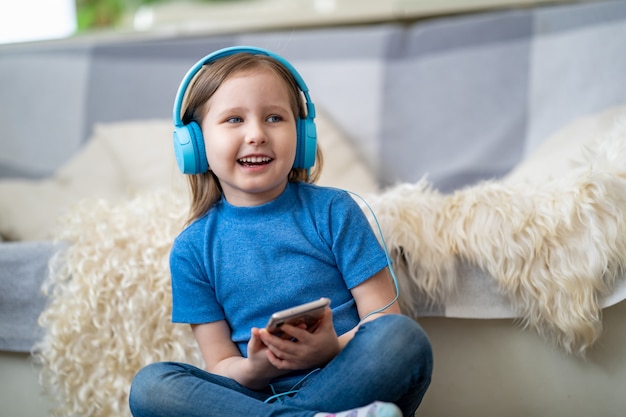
436,107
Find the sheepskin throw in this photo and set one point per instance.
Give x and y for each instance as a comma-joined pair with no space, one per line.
554,248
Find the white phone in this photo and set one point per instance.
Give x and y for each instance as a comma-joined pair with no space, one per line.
308,314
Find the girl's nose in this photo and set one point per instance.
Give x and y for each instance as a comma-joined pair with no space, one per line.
256,133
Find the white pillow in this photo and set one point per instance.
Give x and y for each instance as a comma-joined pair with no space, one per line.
344,166
118,161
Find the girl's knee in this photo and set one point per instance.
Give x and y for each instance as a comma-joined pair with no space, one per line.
151,374
402,328
147,385
408,338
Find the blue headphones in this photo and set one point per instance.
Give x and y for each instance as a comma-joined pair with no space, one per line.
189,143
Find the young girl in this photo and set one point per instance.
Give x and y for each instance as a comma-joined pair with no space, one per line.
261,238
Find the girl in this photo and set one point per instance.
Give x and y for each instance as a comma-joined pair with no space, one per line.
261,238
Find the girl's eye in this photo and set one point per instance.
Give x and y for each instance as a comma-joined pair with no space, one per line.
234,120
274,119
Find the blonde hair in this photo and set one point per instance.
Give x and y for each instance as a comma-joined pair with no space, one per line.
205,187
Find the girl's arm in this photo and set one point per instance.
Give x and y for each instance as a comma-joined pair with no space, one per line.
372,294
222,357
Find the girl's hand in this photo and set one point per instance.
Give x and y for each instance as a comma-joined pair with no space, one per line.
222,357
306,350
259,365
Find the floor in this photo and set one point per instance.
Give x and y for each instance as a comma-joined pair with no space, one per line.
20,393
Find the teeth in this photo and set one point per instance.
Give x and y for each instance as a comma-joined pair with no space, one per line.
255,159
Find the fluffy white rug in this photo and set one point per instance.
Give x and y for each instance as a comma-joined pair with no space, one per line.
554,246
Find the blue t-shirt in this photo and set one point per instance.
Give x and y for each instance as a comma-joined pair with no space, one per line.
242,264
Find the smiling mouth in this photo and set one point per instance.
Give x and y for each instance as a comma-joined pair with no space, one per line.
254,160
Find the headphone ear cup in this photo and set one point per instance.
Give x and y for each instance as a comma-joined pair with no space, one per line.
306,149
189,149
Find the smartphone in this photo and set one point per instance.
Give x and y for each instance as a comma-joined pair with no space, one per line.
308,313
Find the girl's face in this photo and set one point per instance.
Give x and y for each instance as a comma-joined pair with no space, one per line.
250,137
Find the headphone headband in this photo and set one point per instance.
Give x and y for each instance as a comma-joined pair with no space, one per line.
188,141
191,73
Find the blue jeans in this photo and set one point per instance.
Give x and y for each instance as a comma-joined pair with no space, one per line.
389,359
